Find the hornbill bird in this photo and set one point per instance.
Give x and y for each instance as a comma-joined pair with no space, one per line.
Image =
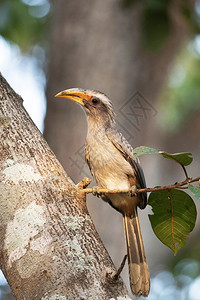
112,163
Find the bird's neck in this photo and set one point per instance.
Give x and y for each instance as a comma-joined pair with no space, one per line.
95,127
98,126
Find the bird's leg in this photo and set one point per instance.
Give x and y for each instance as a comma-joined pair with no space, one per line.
96,192
132,191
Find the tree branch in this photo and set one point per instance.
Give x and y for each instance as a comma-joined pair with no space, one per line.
145,190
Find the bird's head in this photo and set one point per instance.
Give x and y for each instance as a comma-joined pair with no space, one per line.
96,104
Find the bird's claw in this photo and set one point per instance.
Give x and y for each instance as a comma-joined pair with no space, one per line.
132,191
96,192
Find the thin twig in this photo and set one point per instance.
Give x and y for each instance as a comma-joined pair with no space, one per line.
116,276
145,190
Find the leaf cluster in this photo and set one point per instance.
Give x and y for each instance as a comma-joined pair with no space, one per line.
174,211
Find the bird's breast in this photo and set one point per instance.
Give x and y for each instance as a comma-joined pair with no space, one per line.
108,166
111,171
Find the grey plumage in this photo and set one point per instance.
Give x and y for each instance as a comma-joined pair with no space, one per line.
112,163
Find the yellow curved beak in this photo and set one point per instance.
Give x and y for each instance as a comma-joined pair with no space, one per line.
75,94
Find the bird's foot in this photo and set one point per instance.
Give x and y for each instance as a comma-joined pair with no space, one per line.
132,191
96,192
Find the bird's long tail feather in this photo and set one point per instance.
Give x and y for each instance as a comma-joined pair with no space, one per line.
138,268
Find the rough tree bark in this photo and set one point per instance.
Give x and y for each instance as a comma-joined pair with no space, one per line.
49,248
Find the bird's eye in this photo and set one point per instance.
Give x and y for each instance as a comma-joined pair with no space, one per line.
95,100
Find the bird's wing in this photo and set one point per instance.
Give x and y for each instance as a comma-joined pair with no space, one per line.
122,145
87,158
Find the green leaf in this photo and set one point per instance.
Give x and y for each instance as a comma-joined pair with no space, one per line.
144,150
195,191
183,158
174,217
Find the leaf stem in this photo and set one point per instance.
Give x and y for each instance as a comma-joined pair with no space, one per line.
184,169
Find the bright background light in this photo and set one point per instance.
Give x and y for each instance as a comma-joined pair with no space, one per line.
26,78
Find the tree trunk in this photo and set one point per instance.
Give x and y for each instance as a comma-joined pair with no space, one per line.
49,247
